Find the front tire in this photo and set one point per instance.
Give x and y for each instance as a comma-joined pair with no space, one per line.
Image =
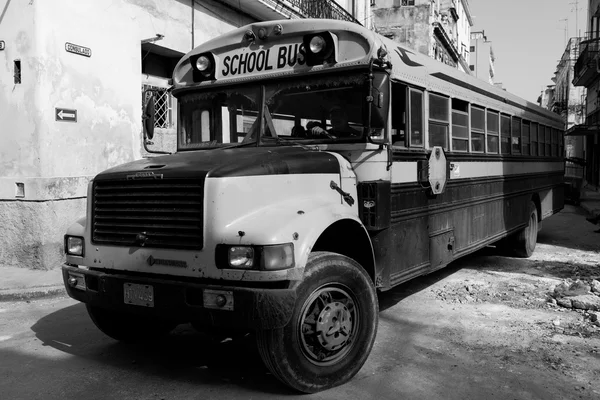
332,328
126,327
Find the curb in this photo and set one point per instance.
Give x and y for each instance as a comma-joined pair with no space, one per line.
32,293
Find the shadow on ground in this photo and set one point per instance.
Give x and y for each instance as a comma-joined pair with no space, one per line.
185,356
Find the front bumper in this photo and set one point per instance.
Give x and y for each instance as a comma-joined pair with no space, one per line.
254,308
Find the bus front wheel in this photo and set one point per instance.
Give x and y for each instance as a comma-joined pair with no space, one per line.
332,329
525,240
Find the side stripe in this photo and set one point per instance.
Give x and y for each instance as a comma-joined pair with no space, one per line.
406,171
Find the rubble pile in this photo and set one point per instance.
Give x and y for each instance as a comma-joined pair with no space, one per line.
579,295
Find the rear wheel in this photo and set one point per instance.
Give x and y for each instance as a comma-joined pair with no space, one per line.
524,241
127,327
332,329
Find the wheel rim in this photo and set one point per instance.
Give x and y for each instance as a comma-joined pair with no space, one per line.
330,320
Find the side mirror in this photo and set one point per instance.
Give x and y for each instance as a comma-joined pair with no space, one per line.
377,136
148,117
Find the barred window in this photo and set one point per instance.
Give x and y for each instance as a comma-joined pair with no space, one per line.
163,103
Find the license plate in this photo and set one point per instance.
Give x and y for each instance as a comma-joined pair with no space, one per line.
139,295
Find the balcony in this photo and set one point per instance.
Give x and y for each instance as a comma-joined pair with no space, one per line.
559,106
586,66
583,130
266,10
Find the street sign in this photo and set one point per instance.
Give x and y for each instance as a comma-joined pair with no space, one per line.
2,45
65,115
76,49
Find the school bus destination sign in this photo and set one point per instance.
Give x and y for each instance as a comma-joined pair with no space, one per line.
76,49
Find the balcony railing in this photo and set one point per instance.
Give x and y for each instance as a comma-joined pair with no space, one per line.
328,9
559,106
268,10
585,67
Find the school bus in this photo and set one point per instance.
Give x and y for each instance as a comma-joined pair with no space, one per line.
317,163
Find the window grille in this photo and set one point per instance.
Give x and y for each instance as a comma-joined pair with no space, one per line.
163,105
17,72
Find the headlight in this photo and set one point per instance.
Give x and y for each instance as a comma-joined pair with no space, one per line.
264,258
317,44
241,257
74,246
203,64
277,257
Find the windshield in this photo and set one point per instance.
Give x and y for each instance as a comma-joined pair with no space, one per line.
322,110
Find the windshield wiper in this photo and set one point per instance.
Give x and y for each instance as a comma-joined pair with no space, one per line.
234,145
284,141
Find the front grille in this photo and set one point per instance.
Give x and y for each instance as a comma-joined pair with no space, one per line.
168,213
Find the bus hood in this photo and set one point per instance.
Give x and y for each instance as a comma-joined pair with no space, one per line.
235,162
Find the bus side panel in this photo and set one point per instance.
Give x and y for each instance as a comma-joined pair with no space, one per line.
428,232
402,250
552,201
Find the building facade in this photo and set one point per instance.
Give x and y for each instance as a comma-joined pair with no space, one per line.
482,57
586,74
72,83
437,28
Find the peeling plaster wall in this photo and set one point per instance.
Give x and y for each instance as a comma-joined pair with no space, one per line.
19,140
55,160
407,25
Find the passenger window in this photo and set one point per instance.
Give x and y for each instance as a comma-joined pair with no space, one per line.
398,114
477,129
525,138
416,118
505,134
516,135
534,139
493,122
438,120
460,125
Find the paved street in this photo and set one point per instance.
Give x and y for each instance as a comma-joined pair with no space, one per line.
430,345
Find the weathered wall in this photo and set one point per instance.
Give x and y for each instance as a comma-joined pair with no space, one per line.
54,160
19,141
408,25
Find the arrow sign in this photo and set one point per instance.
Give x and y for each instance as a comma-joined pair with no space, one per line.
65,115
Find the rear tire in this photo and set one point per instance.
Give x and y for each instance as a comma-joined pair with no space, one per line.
332,328
524,241
127,327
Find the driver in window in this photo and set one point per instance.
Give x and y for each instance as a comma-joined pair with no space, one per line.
339,125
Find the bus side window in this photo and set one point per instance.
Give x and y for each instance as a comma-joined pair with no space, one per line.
416,118
439,120
399,114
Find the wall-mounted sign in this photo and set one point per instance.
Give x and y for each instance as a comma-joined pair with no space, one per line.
2,45
65,115
76,49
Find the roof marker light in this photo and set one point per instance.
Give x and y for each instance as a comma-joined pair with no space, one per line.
249,36
278,29
262,33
